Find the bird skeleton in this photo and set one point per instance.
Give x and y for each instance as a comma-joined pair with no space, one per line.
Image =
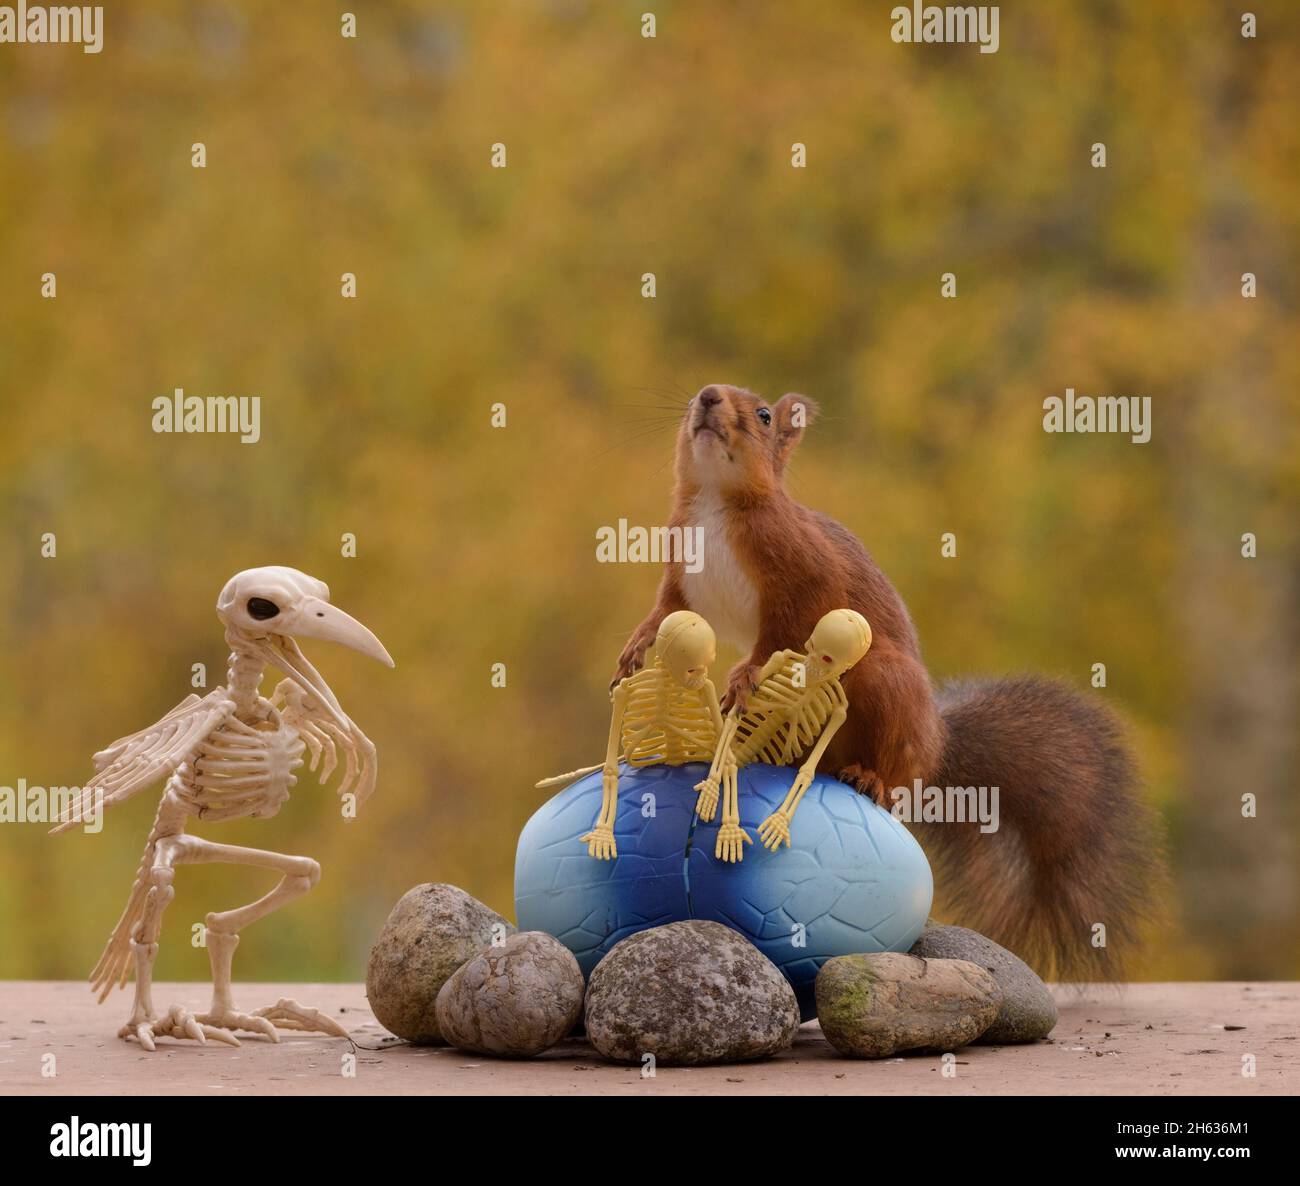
796,708
666,714
232,755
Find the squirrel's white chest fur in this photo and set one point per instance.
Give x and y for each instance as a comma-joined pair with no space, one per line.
722,591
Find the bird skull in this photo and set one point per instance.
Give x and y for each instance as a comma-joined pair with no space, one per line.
263,604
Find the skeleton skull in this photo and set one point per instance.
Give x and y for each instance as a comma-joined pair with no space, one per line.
686,645
271,603
838,641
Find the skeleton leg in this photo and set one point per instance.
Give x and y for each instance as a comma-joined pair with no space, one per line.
706,804
300,874
144,1024
732,838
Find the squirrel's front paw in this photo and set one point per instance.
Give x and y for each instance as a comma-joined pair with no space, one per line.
633,657
741,684
866,782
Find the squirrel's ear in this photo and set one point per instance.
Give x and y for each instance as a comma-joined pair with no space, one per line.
791,414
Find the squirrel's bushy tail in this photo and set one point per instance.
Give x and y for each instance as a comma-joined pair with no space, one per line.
1076,845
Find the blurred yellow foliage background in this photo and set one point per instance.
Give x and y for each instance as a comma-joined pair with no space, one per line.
476,545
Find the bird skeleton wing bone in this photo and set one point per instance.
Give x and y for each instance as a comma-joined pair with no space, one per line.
139,759
326,729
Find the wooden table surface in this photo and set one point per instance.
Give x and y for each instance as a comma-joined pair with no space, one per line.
1157,1039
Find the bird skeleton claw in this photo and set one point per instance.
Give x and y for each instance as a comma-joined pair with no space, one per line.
232,755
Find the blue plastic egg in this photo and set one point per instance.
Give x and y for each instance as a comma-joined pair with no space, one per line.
853,880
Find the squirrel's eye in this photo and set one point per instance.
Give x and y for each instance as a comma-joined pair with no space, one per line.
261,609
765,415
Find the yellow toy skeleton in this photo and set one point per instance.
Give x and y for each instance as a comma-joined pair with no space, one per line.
666,714
796,708
231,755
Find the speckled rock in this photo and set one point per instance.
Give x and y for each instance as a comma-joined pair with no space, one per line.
1028,1011
689,993
872,1006
431,932
513,1001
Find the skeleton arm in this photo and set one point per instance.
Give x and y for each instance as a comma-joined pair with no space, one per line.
775,663
600,840
707,802
775,830
723,750
611,753
809,769
715,711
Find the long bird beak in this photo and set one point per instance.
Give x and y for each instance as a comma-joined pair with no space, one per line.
319,619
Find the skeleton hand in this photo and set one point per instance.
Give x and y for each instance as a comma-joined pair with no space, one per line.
730,847
600,840
600,843
741,683
775,831
707,803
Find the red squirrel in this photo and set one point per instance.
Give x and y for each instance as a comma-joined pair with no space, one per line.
1075,847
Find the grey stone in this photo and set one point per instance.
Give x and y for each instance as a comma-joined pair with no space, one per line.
689,993
431,932
873,1006
1028,1011
512,1001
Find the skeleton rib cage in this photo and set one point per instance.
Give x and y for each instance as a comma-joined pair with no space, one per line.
784,719
665,723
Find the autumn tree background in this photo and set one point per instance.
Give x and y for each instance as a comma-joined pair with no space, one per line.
523,286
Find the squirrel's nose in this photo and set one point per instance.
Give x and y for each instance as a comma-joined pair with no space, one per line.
709,397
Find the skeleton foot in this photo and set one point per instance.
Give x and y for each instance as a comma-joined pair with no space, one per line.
287,1014
775,830
707,803
228,1020
176,1023
600,844
732,839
